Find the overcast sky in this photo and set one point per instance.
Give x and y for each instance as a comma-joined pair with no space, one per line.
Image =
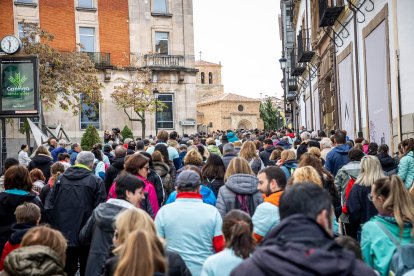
244,36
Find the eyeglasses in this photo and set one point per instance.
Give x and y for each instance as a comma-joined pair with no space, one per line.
146,167
369,197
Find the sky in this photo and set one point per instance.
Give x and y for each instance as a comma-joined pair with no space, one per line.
244,36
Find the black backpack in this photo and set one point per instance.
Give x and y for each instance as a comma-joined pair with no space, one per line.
244,203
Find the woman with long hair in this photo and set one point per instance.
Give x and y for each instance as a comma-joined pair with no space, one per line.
38,180
43,161
248,152
125,224
240,188
213,173
56,170
393,226
238,233
360,209
328,182
305,174
406,166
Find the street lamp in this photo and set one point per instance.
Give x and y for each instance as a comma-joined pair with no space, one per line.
156,93
283,62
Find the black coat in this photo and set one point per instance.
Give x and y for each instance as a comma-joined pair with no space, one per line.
265,155
98,233
387,162
43,163
112,172
71,201
214,184
360,208
299,246
8,204
155,179
227,158
303,147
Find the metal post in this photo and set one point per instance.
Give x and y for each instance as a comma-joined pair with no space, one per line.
3,142
156,117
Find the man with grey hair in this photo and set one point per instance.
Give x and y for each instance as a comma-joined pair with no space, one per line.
304,136
73,152
228,154
70,203
60,149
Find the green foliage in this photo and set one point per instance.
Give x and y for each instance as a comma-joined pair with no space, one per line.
127,133
271,115
90,138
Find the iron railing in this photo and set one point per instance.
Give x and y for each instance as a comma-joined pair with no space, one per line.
297,69
291,96
100,59
163,61
305,53
329,11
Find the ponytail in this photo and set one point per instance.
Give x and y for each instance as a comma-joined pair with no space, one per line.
238,233
398,200
142,255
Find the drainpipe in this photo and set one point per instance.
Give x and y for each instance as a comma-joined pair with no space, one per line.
397,62
358,88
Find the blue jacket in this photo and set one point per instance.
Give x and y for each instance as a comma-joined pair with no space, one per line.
73,154
232,137
206,193
406,169
377,248
336,158
56,151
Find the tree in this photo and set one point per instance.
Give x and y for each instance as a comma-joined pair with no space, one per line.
63,76
271,115
136,95
90,138
127,133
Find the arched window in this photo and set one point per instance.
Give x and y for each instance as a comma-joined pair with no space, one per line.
202,78
210,78
240,107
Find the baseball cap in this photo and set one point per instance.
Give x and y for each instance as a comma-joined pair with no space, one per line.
188,178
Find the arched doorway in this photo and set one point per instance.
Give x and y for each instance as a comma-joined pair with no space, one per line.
244,124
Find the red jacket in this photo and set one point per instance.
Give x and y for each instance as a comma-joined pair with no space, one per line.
8,247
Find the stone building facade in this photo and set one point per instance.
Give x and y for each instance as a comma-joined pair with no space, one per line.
118,36
208,82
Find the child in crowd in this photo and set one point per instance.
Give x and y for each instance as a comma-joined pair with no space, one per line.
27,216
38,180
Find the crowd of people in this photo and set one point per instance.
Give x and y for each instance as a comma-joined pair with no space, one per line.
240,202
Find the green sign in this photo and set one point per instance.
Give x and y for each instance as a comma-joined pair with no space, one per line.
19,86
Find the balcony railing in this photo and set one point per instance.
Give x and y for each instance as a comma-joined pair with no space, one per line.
329,11
291,96
297,69
305,54
158,61
292,84
100,59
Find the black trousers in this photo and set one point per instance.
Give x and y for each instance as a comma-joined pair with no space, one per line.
76,258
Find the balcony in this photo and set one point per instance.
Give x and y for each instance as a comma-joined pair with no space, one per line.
305,54
163,62
297,69
101,60
292,84
291,96
329,11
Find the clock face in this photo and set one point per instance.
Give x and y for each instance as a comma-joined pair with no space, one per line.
10,44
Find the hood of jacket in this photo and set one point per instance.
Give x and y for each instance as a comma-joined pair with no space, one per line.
387,162
214,149
161,168
352,169
244,184
291,164
269,149
299,246
341,149
42,159
11,201
232,137
105,213
18,232
119,162
76,173
34,260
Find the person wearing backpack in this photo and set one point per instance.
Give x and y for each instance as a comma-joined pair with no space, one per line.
288,162
240,189
387,239
248,152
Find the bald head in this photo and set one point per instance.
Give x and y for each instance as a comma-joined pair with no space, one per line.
120,151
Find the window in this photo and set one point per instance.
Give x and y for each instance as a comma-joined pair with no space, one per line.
165,118
202,78
89,114
240,108
210,78
87,39
161,43
160,6
85,4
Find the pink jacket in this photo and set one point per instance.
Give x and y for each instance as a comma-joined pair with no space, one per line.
149,188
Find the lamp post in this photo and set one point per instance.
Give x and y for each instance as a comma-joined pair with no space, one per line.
283,63
156,93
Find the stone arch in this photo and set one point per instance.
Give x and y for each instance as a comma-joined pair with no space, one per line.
244,124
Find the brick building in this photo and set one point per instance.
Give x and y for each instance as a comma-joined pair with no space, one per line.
117,35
